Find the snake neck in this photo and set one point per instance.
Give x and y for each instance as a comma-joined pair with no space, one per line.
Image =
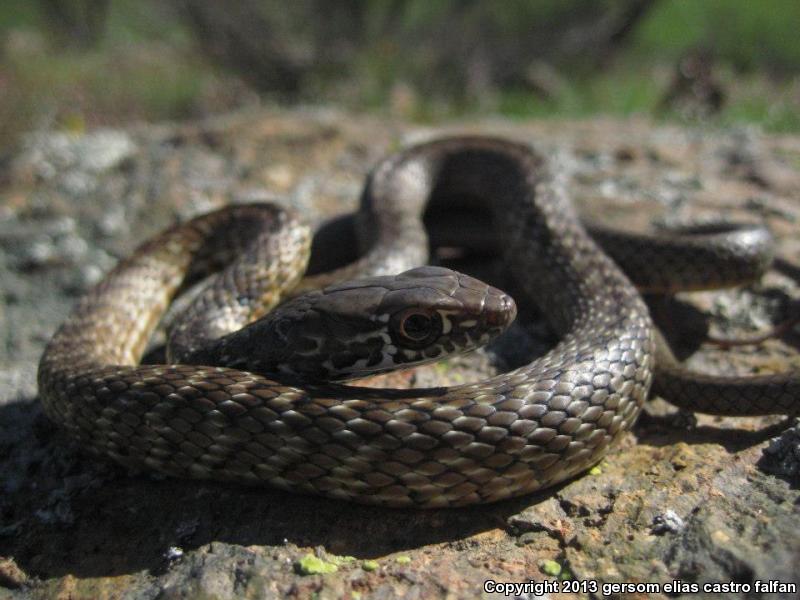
113,323
557,265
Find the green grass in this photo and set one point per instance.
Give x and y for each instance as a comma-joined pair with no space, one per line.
751,99
16,14
755,44
148,68
744,33
775,112
114,86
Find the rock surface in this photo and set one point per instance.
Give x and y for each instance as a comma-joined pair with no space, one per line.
689,500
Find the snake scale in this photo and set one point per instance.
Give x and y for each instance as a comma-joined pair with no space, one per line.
508,435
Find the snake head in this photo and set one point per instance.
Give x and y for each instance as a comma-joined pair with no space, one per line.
373,325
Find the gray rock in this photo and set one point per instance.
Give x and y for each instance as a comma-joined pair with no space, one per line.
72,526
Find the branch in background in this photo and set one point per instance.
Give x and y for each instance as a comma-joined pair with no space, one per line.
472,54
591,33
461,50
238,36
75,23
600,36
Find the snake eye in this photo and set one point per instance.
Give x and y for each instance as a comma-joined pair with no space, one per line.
414,328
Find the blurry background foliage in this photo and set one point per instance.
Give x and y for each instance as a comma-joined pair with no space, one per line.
73,64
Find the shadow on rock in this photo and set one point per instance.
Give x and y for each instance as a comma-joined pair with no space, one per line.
662,430
66,513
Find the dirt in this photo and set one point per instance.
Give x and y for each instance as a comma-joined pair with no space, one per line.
682,499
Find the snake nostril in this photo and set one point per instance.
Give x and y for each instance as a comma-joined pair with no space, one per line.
508,307
501,311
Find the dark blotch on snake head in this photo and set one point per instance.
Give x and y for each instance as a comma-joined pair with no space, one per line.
372,325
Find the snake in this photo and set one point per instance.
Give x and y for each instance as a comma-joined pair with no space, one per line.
257,396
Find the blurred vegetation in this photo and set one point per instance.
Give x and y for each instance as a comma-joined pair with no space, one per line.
75,64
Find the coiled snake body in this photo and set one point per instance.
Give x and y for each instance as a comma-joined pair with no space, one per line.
505,436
